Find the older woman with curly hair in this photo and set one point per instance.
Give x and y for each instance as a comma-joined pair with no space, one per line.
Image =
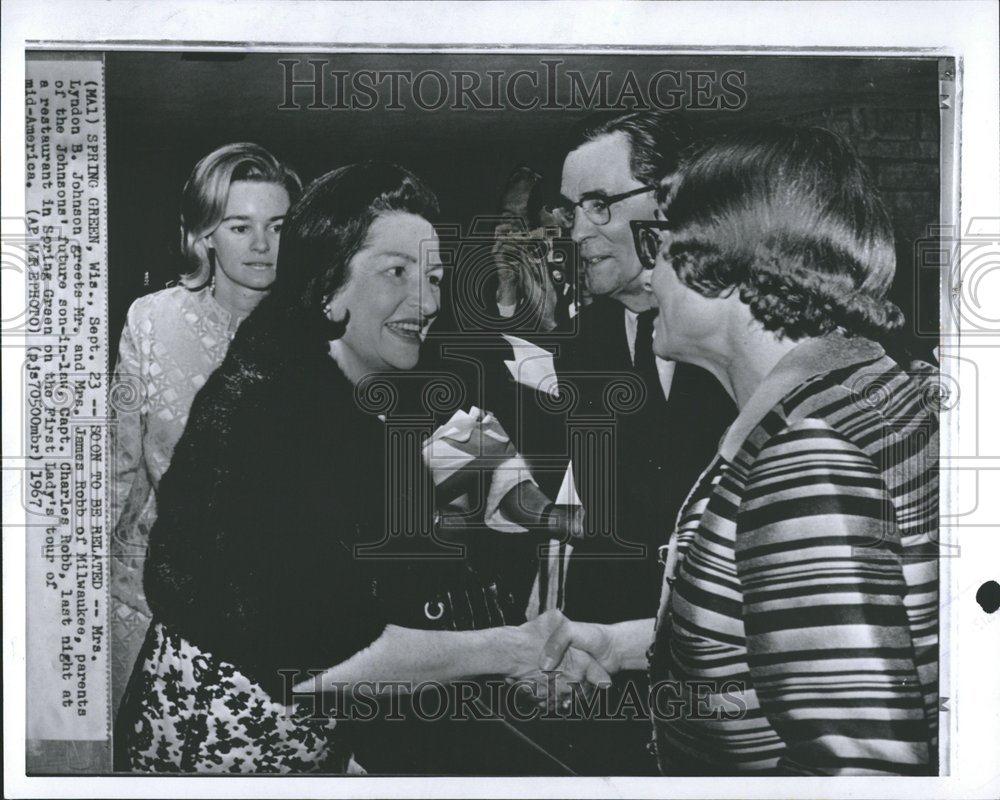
797,631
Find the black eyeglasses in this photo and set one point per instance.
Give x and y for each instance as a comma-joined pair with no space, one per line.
596,206
648,235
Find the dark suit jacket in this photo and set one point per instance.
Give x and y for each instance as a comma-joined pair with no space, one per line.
634,461
635,455
619,433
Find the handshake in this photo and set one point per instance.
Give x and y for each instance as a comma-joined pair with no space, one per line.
551,658
557,657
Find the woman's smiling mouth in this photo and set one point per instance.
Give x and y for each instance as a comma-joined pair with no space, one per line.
411,330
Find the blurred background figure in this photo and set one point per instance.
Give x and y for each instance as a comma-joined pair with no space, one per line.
533,273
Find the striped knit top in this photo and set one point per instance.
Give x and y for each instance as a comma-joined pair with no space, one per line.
798,625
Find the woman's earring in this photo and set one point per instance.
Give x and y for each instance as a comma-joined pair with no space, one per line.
339,325
211,269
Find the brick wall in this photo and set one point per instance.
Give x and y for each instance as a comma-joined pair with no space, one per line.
901,149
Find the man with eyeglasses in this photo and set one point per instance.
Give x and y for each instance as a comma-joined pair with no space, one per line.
609,188
632,494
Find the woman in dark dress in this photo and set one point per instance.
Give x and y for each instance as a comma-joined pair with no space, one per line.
254,574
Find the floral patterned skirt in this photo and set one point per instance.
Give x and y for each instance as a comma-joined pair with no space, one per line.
185,711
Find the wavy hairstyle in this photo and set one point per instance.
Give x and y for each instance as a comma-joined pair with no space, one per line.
790,219
206,192
328,225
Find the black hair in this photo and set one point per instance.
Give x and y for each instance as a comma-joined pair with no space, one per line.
657,140
328,226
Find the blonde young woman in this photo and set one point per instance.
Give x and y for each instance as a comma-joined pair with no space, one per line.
232,209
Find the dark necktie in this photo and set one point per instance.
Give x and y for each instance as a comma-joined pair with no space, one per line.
645,361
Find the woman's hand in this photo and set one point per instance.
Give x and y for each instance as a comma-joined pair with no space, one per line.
593,639
612,648
575,665
573,672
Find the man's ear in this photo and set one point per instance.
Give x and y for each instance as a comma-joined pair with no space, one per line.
646,280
